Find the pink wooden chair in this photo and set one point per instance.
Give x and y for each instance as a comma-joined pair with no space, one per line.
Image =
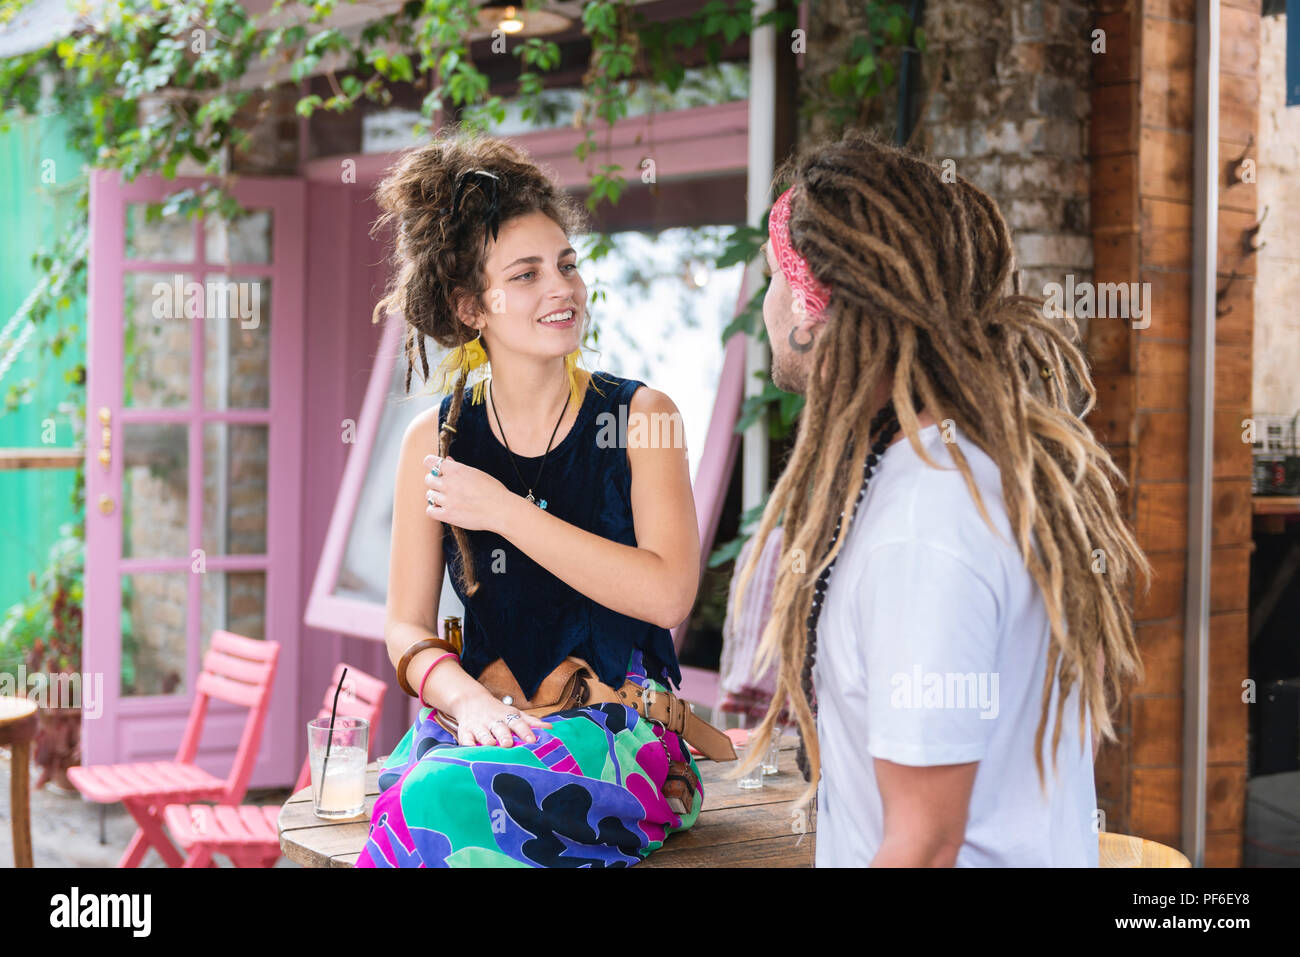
248,834
235,669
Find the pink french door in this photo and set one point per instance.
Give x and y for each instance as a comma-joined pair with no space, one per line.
193,463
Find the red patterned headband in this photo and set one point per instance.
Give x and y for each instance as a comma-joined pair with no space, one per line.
810,294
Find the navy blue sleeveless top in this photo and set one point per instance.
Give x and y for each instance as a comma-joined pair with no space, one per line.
521,612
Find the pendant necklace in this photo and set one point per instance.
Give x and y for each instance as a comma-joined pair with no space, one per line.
540,504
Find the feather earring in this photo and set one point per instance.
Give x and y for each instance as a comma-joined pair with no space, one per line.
575,374
464,359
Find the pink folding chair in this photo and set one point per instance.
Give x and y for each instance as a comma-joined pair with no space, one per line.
235,669
249,834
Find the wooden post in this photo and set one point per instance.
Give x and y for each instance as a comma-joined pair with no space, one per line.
1143,109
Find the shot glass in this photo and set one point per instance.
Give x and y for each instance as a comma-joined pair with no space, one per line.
771,761
753,778
338,782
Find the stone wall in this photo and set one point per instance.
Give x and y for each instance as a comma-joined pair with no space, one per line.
1006,94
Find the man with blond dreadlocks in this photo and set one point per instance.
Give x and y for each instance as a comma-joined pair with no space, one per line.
951,615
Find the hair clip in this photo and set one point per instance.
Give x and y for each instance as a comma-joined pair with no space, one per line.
492,216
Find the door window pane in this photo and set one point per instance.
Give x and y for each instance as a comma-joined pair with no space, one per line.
155,490
153,633
170,238
156,340
237,343
234,488
233,601
245,240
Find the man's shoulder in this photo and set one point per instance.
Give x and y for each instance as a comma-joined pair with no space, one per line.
939,506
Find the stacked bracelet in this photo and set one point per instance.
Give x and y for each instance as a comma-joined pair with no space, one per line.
411,652
428,671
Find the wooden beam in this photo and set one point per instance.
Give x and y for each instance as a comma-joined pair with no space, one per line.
1276,504
15,459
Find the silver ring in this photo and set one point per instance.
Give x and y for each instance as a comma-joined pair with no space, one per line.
436,470
512,717
429,498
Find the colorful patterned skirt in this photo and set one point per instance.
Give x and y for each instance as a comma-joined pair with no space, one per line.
587,793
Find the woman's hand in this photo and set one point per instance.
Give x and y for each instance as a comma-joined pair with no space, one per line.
463,495
483,720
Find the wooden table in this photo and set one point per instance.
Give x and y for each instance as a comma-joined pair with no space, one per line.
735,829
17,728
1272,512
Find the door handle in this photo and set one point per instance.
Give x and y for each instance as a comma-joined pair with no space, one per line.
106,504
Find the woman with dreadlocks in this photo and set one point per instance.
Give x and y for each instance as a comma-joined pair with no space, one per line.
566,544
953,589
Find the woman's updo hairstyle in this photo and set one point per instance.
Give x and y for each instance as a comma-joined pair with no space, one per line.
439,259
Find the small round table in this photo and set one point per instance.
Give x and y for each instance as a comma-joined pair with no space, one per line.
17,728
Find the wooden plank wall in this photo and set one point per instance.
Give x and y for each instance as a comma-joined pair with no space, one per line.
1143,101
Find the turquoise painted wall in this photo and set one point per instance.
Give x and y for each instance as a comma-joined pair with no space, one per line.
33,213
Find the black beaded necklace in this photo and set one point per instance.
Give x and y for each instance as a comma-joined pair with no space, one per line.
886,423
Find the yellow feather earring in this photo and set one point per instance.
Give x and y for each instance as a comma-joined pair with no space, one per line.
465,358
576,376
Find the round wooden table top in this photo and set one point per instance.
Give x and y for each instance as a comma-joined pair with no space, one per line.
14,710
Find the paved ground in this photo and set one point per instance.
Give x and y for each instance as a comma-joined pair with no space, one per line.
65,829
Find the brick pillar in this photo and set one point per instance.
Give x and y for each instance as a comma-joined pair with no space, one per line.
1007,104
1141,145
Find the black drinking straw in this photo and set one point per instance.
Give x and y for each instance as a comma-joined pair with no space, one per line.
329,738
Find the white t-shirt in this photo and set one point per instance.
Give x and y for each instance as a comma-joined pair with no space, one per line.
932,649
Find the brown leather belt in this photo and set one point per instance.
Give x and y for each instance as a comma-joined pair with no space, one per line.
574,685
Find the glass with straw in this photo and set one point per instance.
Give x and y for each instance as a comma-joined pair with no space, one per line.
337,748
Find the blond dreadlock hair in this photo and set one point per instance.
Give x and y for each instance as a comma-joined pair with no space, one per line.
922,273
438,262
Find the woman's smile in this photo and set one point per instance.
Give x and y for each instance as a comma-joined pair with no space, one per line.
560,318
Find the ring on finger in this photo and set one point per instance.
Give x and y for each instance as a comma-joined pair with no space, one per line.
429,498
512,716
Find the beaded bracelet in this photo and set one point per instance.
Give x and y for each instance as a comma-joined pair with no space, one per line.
428,671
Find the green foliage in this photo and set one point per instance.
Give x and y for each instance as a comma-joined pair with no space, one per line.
44,630
748,526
